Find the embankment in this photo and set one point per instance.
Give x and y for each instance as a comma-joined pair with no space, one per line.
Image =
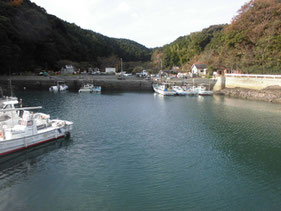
252,87
270,94
251,81
108,83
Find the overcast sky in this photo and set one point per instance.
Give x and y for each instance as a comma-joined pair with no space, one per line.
152,23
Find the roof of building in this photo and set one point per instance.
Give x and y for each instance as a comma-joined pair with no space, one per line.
68,66
200,66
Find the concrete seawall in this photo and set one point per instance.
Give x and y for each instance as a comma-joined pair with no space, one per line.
108,83
253,87
257,82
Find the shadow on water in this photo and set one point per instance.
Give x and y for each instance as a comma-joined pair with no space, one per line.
17,158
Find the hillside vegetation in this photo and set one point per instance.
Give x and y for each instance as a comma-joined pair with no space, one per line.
251,43
31,39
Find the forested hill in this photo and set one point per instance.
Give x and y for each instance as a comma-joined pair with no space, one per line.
251,43
31,39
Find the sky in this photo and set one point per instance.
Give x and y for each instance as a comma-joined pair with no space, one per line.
152,23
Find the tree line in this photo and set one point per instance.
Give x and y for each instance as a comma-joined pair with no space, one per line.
31,39
251,43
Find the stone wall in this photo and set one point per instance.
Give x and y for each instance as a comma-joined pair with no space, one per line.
252,87
252,82
270,94
108,83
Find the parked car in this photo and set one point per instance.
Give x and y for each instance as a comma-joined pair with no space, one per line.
43,74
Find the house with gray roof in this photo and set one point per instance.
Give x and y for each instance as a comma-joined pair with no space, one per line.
199,69
68,69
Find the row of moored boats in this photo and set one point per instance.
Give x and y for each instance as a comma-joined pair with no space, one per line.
21,128
167,89
61,86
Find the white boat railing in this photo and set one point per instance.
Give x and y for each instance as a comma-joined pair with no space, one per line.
20,109
253,76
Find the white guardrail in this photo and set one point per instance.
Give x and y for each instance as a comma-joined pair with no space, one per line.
253,76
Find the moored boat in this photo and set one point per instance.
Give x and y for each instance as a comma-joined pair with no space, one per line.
61,86
179,90
191,90
20,128
163,89
203,91
90,88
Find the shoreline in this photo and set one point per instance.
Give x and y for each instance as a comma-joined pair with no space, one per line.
131,84
270,94
108,83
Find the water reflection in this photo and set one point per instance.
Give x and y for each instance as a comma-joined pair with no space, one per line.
247,104
248,133
31,155
137,151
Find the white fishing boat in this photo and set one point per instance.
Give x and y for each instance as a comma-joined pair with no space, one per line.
191,90
60,87
163,89
203,91
90,88
20,128
179,90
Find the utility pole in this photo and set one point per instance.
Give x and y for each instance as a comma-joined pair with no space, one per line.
121,64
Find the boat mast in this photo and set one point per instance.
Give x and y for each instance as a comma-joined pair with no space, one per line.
10,83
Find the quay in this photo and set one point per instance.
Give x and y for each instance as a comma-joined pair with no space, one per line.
107,82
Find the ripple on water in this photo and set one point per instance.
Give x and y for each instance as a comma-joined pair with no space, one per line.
135,151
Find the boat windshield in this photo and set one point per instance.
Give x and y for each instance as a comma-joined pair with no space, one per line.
7,106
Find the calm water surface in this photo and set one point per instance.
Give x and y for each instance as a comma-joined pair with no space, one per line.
138,151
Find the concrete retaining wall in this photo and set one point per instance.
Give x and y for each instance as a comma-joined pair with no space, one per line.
248,81
110,83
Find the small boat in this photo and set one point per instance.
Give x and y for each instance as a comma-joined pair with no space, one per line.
20,128
202,90
163,89
180,90
61,86
191,90
90,88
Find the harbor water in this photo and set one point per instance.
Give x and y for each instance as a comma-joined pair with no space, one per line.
141,151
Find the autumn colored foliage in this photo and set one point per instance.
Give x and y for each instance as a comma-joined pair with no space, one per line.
251,43
16,2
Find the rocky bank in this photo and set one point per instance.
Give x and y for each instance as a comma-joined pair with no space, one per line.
269,94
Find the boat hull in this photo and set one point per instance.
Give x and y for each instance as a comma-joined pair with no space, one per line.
13,145
89,90
164,92
206,93
58,89
85,90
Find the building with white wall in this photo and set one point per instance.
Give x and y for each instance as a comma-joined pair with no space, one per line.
110,70
199,69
